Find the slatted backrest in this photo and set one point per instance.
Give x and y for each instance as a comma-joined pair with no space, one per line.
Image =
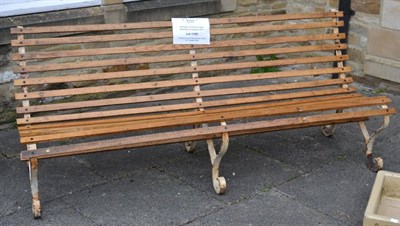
135,69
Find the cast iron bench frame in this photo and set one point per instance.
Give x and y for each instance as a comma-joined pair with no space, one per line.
36,129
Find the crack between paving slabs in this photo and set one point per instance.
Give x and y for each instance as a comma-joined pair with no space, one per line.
225,205
80,212
248,148
84,188
309,207
91,168
89,186
206,213
3,156
294,199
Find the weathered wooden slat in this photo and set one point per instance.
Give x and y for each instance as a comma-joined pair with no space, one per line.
168,34
171,47
167,71
201,134
151,120
341,92
189,117
166,84
66,127
172,58
170,115
204,93
161,24
207,80
209,116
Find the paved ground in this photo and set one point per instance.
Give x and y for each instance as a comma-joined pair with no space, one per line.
296,177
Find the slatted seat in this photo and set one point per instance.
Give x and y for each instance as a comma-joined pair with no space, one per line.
259,74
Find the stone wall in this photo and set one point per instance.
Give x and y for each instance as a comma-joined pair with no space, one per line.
112,11
372,37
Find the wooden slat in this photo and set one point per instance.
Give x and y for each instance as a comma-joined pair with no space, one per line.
206,117
202,133
165,84
172,116
184,82
216,103
161,24
319,94
167,47
168,34
64,127
204,93
172,58
168,71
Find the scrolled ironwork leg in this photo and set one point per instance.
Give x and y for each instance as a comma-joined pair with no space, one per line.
329,130
219,183
374,164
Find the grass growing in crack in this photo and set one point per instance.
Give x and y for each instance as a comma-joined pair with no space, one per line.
265,69
341,157
63,142
291,178
265,189
257,150
244,198
380,90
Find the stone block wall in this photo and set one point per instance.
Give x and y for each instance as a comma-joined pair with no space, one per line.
374,43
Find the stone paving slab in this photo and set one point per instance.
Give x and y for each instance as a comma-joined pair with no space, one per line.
306,148
10,145
145,198
115,164
246,172
341,190
57,177
389,150
14,186
267,208
56,213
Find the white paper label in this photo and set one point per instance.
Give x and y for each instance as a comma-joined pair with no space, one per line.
191,31
394,220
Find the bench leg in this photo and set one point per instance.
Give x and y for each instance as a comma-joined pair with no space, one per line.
33,176
190,146
374,164
219,183
329,130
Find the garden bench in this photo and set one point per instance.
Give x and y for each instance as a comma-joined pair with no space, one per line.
259,74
